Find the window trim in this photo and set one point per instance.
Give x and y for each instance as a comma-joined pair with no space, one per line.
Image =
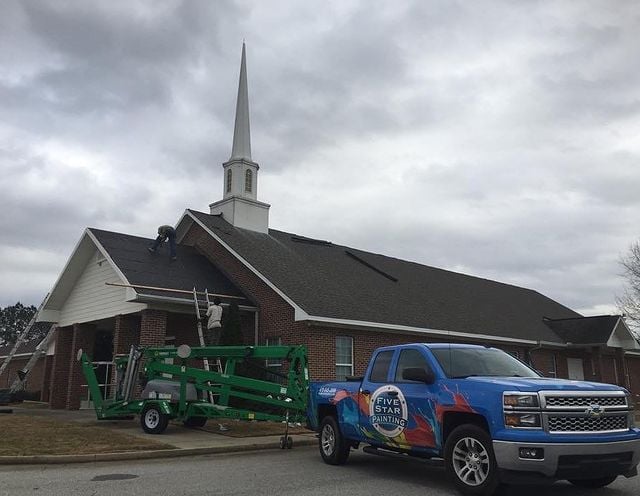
350,365
229,180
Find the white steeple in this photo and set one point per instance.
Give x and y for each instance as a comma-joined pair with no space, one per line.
241,132
239,205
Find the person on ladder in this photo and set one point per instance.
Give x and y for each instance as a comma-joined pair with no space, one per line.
164,233
214,327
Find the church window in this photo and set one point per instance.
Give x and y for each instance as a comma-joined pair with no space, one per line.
229,181
248,178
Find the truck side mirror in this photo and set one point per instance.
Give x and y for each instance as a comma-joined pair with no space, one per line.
418,374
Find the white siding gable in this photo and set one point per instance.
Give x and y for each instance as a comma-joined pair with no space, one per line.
91,299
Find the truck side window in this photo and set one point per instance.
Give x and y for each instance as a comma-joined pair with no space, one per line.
408,359
380,368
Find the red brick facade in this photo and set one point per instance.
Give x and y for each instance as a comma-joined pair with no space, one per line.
154,327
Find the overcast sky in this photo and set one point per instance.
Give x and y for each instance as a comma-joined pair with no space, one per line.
499,139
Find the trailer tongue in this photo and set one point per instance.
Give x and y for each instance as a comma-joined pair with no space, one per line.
177,389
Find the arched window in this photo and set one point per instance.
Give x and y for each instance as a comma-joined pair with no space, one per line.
229,181
248,180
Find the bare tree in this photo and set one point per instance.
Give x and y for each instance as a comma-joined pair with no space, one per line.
629,302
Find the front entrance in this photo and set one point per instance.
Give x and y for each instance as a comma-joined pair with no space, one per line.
576,369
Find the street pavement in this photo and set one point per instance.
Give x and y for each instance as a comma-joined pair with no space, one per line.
298,472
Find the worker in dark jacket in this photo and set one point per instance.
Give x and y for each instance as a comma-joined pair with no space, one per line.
164,233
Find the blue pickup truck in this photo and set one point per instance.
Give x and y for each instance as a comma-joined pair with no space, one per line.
492,418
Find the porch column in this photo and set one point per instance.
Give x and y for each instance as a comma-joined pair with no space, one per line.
621,364
84,337
60,369
153,328
596,357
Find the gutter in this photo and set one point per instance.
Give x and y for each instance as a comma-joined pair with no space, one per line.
144,298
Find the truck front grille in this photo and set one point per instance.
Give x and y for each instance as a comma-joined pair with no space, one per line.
574,423
585,401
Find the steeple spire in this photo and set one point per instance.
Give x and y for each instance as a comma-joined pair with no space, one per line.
241,134
239,205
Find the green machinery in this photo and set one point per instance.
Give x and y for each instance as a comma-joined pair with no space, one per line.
178,388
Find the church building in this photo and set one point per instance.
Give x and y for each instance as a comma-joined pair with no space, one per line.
339,301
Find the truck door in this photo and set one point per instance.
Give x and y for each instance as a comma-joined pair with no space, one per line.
381,405
400,413
421,429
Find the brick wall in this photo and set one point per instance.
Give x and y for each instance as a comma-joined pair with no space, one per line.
153,327
61,360
126,333
84,336
34,379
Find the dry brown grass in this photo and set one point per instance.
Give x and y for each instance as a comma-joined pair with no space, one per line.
251,429
22,435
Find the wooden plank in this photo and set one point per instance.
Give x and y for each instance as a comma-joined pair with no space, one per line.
171,290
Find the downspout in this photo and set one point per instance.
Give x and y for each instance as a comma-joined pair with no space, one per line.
255,329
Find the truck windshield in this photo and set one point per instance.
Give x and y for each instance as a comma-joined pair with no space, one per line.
459,363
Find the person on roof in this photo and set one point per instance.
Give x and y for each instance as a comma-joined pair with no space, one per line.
165,233
214,327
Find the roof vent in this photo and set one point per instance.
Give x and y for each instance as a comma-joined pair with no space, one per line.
372,267
311,241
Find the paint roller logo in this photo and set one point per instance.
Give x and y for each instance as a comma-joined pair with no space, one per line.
388,411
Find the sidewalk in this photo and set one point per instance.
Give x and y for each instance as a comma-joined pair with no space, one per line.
185,442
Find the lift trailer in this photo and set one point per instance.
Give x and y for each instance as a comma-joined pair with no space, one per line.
174,390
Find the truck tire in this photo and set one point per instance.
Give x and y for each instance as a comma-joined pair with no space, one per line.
334,448
469,461
194,422
593,483
152,420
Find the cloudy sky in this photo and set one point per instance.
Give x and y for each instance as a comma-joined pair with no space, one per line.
498,139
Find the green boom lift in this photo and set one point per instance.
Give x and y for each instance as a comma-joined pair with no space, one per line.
175,390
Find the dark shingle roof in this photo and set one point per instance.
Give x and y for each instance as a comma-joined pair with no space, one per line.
139,266
585,330
329,280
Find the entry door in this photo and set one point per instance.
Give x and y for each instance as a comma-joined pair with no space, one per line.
576,369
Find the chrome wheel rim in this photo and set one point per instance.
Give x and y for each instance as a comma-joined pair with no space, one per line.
470,461
328,440
152,419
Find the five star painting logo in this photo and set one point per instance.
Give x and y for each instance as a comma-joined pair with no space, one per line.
388,411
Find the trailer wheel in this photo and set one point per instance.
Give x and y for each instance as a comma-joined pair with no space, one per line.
593,483
469,460
334,448
195,422
153,421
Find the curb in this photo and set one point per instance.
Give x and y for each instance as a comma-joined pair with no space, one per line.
145,455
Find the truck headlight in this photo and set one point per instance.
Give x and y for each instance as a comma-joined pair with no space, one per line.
530,420
521,400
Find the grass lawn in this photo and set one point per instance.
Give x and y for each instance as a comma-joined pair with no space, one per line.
29,435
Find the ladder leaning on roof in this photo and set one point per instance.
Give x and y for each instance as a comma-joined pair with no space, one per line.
22,336
205,361
40,350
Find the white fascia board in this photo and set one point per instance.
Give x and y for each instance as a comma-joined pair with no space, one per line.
421,330
299,313
182,301
621,324
55,284
180,236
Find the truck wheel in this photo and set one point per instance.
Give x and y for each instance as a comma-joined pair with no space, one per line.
334,448
469,460
194,421
153,421
593,483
